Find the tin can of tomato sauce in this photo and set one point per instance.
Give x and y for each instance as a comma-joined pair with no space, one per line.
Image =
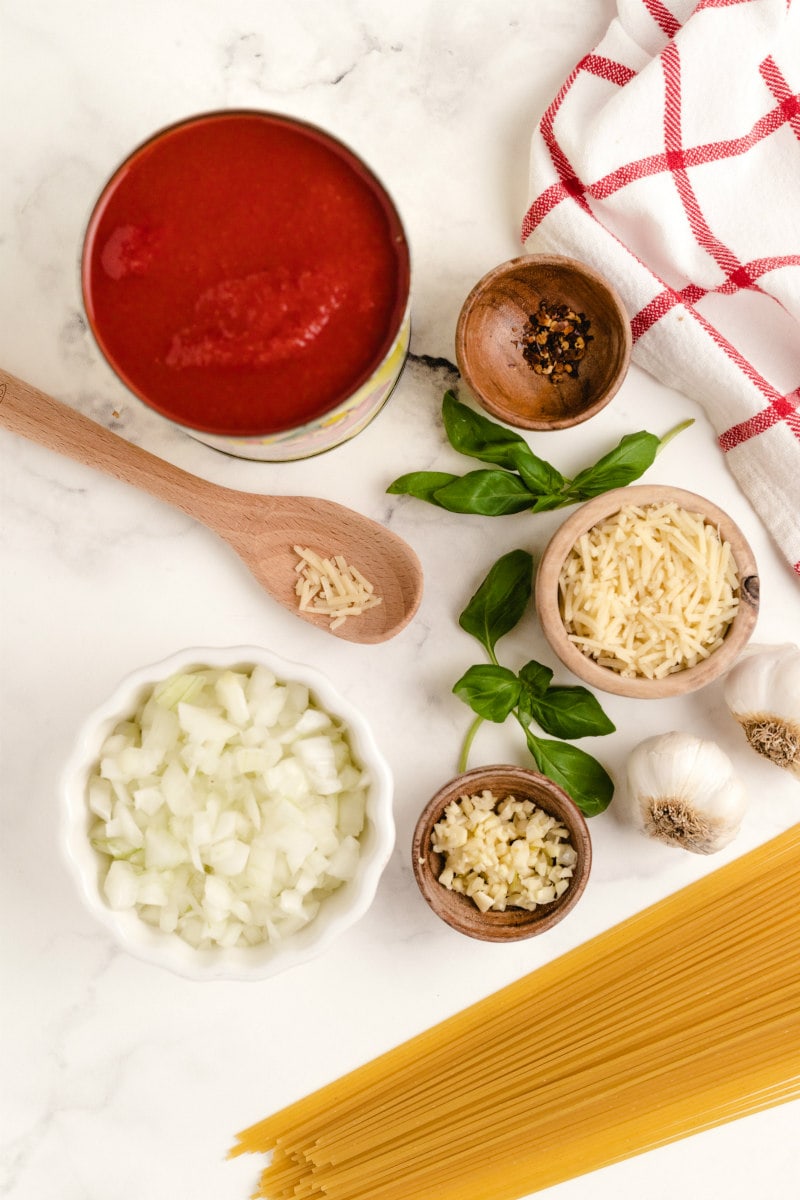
247,276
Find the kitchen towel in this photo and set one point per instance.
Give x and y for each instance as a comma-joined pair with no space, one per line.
670,161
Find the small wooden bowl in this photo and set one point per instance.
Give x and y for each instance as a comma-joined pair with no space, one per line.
491,323
459,911
605,678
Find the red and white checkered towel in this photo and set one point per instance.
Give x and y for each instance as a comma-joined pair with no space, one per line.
670,161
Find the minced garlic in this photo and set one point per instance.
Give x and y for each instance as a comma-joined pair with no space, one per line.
331,587
503,852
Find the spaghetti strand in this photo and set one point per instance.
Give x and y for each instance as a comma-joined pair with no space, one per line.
680,1018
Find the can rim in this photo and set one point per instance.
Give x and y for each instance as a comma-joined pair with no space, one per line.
401,302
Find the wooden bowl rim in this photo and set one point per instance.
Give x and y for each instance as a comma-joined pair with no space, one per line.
459,912
464,358
604,678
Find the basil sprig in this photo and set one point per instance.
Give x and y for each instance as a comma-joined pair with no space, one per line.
520,480
495,692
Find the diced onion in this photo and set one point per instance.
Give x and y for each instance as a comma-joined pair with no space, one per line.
227,808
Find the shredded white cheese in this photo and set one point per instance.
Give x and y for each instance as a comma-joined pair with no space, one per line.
503,852
331,587
649,591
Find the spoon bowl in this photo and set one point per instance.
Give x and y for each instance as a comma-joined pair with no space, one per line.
263,530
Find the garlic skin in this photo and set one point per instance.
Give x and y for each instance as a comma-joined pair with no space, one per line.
762,692
683,791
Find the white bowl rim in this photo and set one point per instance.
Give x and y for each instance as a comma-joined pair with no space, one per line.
170,951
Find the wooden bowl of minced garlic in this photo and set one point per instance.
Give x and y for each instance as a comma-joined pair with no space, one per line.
648,591
501,853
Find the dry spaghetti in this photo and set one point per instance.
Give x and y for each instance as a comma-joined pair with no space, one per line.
683,1017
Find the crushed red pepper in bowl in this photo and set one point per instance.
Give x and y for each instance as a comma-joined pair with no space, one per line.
554,340
510,335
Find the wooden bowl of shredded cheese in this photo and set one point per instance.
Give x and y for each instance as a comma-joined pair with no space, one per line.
501,853
648,591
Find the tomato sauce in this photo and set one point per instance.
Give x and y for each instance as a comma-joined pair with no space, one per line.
244,273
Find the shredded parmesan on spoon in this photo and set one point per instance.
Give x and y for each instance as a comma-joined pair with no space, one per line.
331,587
649,591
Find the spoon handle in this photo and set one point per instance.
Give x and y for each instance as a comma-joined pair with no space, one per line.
32,414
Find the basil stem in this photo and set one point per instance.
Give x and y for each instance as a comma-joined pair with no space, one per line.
676,429
467,746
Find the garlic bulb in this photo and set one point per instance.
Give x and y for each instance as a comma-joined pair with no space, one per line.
683,791
763,693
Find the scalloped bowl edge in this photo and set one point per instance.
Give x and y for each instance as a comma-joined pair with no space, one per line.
338,912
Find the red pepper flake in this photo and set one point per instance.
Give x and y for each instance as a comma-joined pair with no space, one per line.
554,340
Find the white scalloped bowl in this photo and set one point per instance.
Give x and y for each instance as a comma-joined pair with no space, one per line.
338,912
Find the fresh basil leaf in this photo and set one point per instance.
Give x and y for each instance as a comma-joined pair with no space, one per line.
501,599
539,476
484,493
581,776
536,678
421,484
623,464
471,433
475,435
569,712
490,691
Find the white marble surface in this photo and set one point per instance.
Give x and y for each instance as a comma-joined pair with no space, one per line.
121,1081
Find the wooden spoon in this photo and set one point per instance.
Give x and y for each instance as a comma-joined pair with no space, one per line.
261,529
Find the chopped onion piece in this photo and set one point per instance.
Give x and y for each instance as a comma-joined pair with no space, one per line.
227,808
121,885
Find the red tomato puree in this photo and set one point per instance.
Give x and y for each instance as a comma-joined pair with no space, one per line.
244,273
